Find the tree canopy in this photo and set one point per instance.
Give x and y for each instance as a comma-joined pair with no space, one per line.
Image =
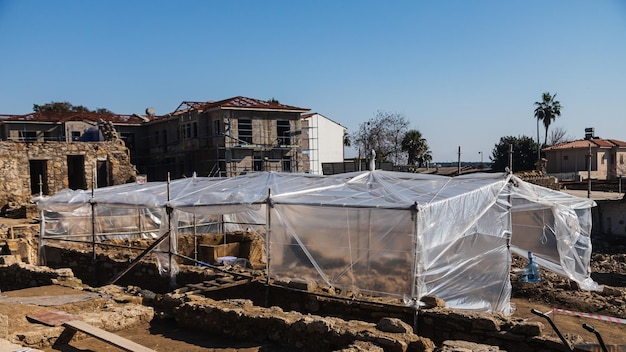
64,106
524,153
417,148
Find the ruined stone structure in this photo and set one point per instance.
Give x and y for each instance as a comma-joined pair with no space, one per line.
28,168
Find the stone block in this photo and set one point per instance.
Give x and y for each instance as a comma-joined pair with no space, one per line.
10,259
485,323
611,291
462,346
433,301
301,284
394,325
528,328
65,272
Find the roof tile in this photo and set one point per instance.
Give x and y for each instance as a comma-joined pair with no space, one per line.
585,143
59,117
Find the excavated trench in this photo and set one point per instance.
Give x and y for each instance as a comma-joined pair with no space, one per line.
236,302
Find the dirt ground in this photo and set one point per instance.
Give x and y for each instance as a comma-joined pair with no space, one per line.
164,336
160,336
612,333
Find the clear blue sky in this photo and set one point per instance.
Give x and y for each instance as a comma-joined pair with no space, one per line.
464,73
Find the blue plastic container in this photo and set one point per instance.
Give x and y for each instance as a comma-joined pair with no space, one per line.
533,275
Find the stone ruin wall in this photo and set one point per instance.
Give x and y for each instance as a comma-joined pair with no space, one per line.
15,166
240,318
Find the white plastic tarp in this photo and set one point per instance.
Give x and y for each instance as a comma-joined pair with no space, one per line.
378,232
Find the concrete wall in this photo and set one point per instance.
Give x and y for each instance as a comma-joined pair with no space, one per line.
609,219
324,141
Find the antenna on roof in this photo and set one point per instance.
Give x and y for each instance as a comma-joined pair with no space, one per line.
150,111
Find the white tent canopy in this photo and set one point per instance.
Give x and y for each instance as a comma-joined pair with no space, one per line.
377,232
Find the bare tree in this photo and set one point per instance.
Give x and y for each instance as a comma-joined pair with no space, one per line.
383,133
558,135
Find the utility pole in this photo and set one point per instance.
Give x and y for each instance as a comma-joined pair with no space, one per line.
539,143
458,170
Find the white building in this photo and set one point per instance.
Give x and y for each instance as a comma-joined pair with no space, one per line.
325,141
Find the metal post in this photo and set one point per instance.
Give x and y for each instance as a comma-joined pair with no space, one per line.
42,227
195,238
589,172
169,229
511,158
268,231
619,184
93,219
367,138
93,226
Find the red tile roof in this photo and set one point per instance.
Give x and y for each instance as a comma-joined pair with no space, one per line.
242,103
585,143
60,117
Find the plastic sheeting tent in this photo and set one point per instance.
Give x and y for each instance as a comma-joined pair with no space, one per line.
377,232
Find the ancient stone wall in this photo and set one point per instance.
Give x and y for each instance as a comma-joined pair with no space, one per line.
302,330
306,332
15,275
16,173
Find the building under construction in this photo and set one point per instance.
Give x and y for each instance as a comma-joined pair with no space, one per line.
223,138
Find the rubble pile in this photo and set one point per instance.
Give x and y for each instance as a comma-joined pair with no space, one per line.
608,270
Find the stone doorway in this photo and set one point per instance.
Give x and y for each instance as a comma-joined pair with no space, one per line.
76,172
38,175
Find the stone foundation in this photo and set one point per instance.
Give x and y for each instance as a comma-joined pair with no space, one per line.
304,329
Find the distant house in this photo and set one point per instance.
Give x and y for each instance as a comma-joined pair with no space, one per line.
568,161
322,141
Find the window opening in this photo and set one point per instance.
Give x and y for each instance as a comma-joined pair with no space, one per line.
244,130
283,132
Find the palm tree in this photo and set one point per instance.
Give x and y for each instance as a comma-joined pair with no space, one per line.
346,139
414,144
426,158
547,110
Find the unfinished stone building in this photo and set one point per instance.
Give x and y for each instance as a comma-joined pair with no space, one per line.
224,138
